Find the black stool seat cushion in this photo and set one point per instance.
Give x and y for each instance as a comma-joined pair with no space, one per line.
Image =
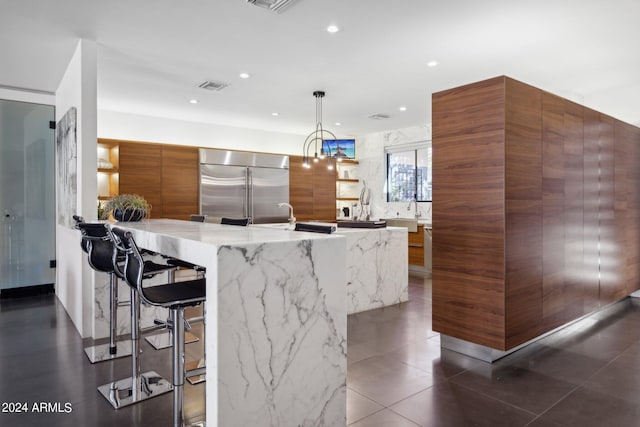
188,293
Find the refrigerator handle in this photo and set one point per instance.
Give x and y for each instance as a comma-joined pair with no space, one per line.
249,199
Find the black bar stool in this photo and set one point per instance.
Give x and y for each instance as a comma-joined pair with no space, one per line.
175,296
140,386
96,243
164,339
235,221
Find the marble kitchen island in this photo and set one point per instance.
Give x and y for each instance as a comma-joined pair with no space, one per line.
276,320
377,263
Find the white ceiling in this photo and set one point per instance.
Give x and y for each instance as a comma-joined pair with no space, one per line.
152,54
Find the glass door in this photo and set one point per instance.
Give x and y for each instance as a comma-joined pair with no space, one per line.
27,195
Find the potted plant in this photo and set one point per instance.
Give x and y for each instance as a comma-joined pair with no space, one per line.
126,207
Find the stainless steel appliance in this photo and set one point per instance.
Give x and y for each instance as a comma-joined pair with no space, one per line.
239,184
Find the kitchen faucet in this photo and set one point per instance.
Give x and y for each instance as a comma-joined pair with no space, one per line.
415,201
292,219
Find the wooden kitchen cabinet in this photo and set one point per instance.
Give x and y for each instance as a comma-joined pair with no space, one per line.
416,247
165,175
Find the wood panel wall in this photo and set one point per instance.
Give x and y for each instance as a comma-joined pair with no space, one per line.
312,192
536,214
468,213
165,175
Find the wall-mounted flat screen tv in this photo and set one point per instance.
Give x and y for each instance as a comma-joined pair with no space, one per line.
345,148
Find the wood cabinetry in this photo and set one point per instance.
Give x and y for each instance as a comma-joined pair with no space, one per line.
312,191
537,220
416,247
165,175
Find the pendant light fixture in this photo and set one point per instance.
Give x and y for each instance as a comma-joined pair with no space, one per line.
318,137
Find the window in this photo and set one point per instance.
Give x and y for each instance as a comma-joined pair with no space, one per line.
409,173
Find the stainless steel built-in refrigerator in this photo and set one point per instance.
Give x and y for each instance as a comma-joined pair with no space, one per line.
236,184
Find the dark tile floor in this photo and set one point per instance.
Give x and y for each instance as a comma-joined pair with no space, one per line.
584,375
397,374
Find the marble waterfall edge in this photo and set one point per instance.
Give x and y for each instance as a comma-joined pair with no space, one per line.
377,268
282,329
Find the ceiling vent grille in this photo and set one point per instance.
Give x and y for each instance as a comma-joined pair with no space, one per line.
379,116
274,5
212,85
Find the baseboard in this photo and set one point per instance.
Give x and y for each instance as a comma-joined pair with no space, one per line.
27,291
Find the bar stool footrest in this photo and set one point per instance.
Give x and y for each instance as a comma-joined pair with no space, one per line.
163,340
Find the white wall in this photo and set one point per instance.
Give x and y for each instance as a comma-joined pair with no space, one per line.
116,125
26,96
370,154
74,281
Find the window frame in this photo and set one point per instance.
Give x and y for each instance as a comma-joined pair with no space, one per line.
415,146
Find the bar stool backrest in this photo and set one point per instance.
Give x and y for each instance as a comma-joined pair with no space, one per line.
99,248
134,268
235,221
84,242
123,247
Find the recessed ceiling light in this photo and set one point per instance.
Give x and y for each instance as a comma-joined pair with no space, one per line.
245,75
338,124
193,101
275,114
403,108
432,63
333,29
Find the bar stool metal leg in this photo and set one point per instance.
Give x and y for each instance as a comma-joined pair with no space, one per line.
140,386
178,366
113,350
165,339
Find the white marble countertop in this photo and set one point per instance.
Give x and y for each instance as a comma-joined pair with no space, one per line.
219,234
339,230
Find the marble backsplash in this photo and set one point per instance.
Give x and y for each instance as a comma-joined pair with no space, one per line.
370,153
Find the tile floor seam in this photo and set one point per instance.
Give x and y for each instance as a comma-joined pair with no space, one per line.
494,398
405,417
556,403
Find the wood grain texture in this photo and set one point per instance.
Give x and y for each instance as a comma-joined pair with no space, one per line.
166,175
301,189
610,252
536,212
591,212
312,192
416,247
180,182
140,173
468,212
523,213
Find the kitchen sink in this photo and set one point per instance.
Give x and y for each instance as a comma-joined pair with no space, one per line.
410,223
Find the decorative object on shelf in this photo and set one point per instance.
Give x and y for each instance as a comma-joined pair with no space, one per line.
126,207
365,198
104,164
318,136
345,174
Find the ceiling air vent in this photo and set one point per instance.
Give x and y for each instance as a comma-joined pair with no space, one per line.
379,116
211,85
275,5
